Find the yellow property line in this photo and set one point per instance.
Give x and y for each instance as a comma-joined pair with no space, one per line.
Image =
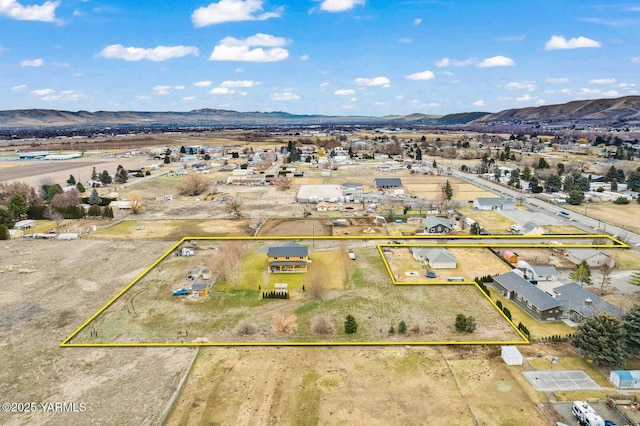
617,244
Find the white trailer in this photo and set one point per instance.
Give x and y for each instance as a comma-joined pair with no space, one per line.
586,415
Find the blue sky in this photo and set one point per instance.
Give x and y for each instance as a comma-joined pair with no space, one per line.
343,57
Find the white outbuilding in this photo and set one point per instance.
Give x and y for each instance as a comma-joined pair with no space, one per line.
511,355
625,379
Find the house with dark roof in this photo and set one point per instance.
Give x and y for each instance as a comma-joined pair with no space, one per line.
437,225
532,300
388,183
579,303
532,228
287,258
494,203
435,257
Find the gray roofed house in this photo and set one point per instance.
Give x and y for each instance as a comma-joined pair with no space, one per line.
494,203
527,296
579,303
289,257
541,273
592,256
437,225
437,258
388,183
532,228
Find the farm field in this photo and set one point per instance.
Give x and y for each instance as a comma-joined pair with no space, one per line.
624,216
430,187
148,313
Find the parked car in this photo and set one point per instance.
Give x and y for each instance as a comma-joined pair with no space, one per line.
431,274
181,292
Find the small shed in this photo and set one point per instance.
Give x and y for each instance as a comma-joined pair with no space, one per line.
625,379
281,289
510,256
511,355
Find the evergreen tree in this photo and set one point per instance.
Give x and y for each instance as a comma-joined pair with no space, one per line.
6,218
71,181
576,197
94,198
632,326
80,187
418,154
526,174
402,327
17,206
447,190
94,174
633,181
560,168
603,339
350,324
542,164
4,232
105,178
122,176
553,183
534,186
612,173
53,190
434,164
183,150
465,323
582,273
614,185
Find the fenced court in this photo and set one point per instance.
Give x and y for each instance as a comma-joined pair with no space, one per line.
551,381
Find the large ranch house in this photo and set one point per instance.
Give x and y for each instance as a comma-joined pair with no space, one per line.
287,258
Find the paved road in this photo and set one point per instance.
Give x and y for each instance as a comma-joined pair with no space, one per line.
578,220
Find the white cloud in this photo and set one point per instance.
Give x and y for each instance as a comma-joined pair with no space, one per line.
635,59
479,103
233,49
160,53
448,62
189,98
284,96
540,101
60,64
42,92
497,61
323,86
626,85
32,62
561,80
19,87
77,12
376,81
524,98
239,83
565,91
180,87
433,104
559,42
339,5
590,92
161,90
231,11
238,70
405,40
143,97
417,21
399,97
528,85
220,91
518,37
304,57
611,93
344,92
204,83
422,75
353,99
65,95
44,12
602,81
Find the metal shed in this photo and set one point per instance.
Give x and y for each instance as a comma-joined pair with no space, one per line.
625,379
511,355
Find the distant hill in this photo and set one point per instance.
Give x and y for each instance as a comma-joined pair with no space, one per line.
620,110
625,109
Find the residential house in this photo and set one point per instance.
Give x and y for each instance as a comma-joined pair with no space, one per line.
290,258
201,287
532,228
437,225
435,257
579,303
541,273
532,300
352,186
593,257
388,183
494,203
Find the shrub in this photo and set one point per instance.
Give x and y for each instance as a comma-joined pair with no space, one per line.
621,200
4,232
246,328
321,324
284,326
350,324
402,327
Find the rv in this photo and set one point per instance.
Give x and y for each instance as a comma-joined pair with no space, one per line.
586,415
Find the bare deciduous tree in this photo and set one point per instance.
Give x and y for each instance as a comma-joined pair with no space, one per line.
232,253
137,203
283,182
316,281
234,207
284,325
194,184
66,199
53,215
322,325
9,189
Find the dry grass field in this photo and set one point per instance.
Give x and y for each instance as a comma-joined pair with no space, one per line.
624,216
430,187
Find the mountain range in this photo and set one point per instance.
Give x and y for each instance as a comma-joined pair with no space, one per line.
624,110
